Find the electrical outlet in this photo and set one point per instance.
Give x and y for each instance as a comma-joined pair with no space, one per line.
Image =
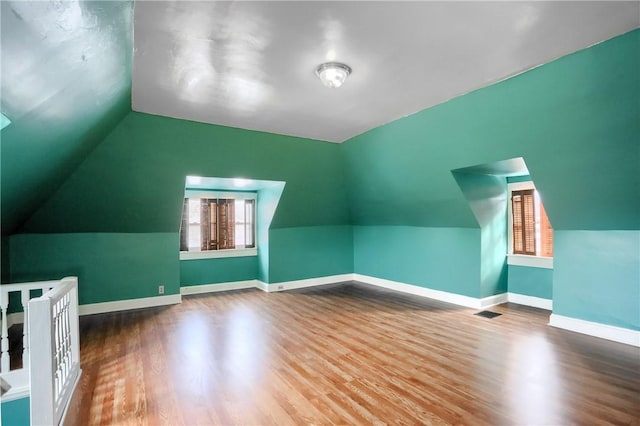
280,287
160,289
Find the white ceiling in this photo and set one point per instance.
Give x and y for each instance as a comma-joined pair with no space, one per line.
251,64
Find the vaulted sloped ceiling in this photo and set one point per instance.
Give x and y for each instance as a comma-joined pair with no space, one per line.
66,81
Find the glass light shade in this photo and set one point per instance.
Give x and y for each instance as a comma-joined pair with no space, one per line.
333,74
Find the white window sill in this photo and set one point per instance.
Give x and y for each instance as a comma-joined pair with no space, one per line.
217,254
531,261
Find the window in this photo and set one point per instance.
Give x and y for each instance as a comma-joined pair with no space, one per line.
530,229
217,221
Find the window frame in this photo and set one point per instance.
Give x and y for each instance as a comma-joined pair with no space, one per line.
223,253
530,260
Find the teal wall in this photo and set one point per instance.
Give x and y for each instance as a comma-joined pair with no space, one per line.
109,267
77,102
596,276
575,121
133,184
267,205
515,179
487,197
310,252
537,282
446,259
215,271
134,180
5,258
16,413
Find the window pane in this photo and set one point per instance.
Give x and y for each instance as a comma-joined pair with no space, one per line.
194,224
240,224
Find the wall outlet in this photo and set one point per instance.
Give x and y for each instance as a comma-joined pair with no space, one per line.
160,289
280,287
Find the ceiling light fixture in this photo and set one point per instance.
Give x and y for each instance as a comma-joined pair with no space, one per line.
333,74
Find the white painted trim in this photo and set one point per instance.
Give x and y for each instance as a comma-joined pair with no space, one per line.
124,305
443,296
73,387
519,186
530,261
217,254
310,282
496,299
213,288
19,382
535,302
603,331
205,193
262,286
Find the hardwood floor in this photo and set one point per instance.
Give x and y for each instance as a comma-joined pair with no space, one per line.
346,354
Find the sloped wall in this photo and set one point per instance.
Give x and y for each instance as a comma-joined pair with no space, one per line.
576,123
62,92
133,184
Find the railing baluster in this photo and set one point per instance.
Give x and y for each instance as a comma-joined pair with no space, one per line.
26,295
4,345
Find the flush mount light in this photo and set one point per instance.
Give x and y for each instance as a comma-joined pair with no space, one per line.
333,74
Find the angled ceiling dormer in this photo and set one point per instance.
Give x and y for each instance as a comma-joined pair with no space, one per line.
66,79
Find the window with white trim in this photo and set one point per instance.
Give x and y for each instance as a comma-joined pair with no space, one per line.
218,221
530,232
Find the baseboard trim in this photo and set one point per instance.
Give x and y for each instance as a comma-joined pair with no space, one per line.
496,299
125,305
535,302
310,282
262,286
443,296
603,331
214,288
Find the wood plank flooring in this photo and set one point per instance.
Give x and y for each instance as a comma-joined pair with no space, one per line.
346,354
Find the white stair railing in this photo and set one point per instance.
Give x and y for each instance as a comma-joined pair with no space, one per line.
54,357
7,320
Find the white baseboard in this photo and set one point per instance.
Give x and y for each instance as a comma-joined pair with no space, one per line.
310,282
496,299
604,331
213,288
443,296
124,305
536,302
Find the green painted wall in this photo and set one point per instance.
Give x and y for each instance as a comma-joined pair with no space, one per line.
76,103
16,413
5,268
310,252
515,179
268,200
109,267
446,259
215,271
575,121
487,197
134,181
596,276
537,282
